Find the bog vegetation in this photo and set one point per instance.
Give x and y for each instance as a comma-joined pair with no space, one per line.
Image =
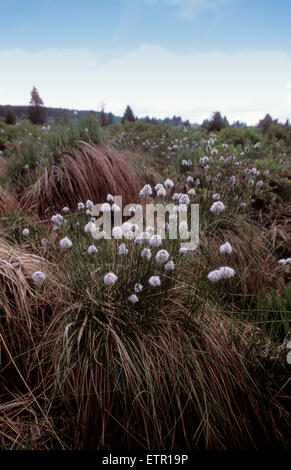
125,343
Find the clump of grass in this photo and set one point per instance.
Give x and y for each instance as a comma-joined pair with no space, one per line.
87,172
172,371
25,311
179,381
252,257
24,308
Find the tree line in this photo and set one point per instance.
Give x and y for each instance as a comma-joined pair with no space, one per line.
39,114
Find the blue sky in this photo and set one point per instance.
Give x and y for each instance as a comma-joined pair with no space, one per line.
187,57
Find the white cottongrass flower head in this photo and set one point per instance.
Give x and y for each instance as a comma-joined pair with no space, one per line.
146,191
222,273
155,240
97,233
285,261
214,276
106,207
92,250
168,184
225,248
191,192
117,232
38,277
89,205
187,162
89,227
44,242
162,256
217,207
127,231
110,279
216,196
259,184
146,253
133,298
169,266
81,206
110,198
57,219
183,250
159,186
161,192
184,199
65,243
66,209
122,250
138,288
204,160
141,238
189,179
176,196
226,272
25,231
155,281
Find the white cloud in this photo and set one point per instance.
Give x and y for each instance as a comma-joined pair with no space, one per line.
153,81
188,9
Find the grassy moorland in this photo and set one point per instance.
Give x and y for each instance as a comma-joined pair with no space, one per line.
193,359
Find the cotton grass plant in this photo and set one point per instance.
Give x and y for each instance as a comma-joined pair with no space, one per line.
114,346
124,343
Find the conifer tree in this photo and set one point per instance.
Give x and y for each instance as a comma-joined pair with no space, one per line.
216,123
109,119
128,115
10,116
36,110
266,122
